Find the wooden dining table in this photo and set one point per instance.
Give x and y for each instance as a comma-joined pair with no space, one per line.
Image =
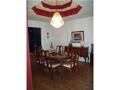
61,59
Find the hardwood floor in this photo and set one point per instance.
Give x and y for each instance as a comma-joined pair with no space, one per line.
84,80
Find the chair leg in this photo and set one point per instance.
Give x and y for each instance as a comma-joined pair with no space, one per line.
36,68
51,73
44,70
49,70
42,67
71,74
88,59
77,70
67,72
73,70
57,69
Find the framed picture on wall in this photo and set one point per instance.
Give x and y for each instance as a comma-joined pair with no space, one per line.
77,36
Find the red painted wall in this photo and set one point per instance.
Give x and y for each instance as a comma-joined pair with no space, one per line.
29,75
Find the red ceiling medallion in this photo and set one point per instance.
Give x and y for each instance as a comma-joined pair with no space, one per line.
66,9
58,6
62,13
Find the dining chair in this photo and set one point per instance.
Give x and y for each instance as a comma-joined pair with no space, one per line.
40,48
49,63
42,61
35,47
69,65
60,49
39,57
92,47
68,51
36,60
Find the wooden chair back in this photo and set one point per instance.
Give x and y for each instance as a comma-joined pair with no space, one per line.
47,59
39,48
67,50
92,47
73,63
42,61
60,49
75,57
35,47
46,54
35,55
35,51
41,57
48,62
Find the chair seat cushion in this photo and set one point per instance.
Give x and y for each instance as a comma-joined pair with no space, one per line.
68,65
68,60
40,58
41,62
54,64
38,61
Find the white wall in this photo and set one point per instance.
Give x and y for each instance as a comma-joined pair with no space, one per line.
58,35
62,35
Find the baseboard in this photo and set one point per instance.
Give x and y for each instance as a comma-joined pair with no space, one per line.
31,53
83,60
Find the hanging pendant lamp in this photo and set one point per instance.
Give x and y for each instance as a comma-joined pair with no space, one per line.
56,20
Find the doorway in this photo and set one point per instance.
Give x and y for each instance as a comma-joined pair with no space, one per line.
34,37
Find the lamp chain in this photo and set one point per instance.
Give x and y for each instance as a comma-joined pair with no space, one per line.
56,5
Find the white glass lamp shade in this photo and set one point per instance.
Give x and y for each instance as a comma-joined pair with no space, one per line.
82,43
57,20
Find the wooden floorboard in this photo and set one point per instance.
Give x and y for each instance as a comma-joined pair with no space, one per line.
84,80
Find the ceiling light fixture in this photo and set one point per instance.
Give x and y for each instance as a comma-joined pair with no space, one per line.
56,20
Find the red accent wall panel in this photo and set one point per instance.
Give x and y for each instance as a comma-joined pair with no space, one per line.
29,74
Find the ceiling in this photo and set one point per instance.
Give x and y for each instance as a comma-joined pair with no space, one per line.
86,11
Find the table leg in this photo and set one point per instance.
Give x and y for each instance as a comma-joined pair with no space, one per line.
88,58
61,69
85,59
